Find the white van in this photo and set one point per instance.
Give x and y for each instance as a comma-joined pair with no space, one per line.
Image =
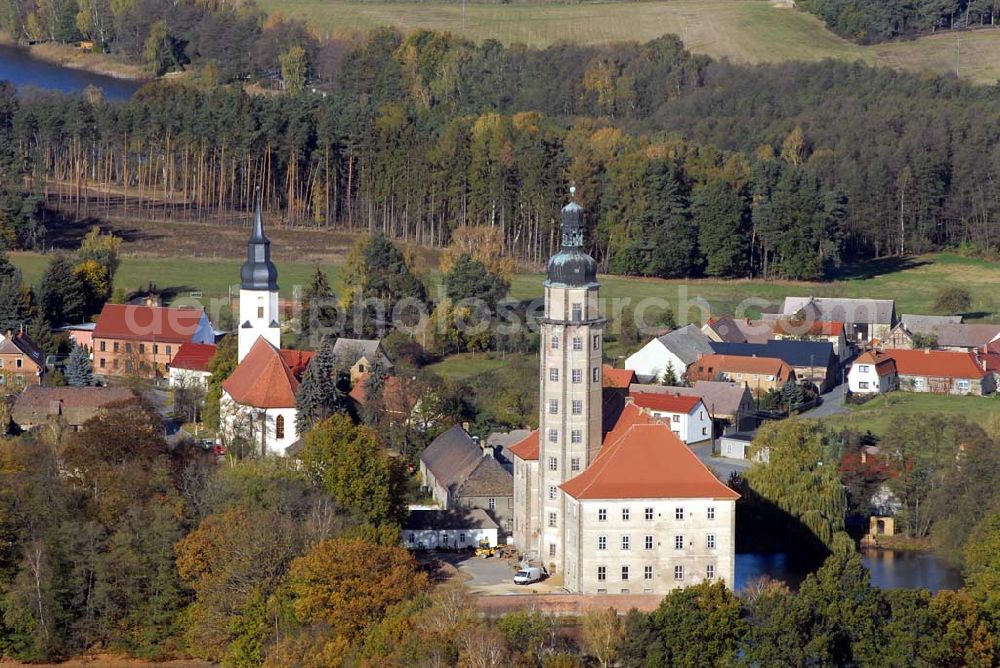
528,575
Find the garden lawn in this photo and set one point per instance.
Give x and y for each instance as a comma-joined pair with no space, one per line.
466,365
876,415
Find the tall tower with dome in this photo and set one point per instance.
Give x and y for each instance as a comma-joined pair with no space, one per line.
572,334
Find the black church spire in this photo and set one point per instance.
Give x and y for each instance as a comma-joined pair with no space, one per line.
258,272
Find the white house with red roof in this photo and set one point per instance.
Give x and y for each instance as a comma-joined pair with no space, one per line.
686,415
606,501
873,372
258,398
190,365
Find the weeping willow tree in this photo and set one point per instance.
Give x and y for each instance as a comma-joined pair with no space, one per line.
798,493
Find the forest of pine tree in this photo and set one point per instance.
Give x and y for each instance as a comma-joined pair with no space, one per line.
685,166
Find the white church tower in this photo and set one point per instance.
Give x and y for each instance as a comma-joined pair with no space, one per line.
258,293
569,432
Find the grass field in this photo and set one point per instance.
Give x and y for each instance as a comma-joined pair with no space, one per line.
745,31
465,365
913,283
876,414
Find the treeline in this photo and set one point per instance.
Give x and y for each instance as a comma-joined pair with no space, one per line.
229,40
685,166
870,22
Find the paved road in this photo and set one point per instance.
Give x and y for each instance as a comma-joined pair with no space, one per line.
720,465
833,403
172,427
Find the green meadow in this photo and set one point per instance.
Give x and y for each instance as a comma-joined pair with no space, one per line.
877,414
913,283
744,31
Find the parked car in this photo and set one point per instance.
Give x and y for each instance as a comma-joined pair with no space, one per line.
528,575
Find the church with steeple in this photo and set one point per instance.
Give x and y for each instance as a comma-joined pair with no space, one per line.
258,399
608,500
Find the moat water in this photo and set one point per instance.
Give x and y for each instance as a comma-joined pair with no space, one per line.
19,67
889,570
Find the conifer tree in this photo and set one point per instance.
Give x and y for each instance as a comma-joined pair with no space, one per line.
318,307
79,370
318,397
64,297
12,313
40,331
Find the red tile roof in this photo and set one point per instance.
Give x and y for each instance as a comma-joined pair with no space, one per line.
937,364
884,364
527,449
297,360
193,356
646,461
617,378
668,403
709,366
793,327
262,379
127,321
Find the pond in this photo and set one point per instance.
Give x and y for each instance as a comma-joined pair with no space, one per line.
20,68
889,570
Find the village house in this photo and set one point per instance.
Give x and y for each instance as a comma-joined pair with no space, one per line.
143,340
359,356
73,406
941,333
461,473
686,416
730,405
21,362
834,333
81,335
812,361
872,372
728,329
864,319
759,374
674,351
190,365
606,498
942,372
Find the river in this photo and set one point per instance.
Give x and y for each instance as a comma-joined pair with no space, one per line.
20,68
889,570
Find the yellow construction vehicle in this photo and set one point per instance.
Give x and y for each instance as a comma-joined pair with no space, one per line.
485,551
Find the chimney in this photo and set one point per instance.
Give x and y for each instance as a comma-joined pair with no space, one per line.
465,427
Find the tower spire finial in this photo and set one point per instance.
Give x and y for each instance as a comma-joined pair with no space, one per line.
258,219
